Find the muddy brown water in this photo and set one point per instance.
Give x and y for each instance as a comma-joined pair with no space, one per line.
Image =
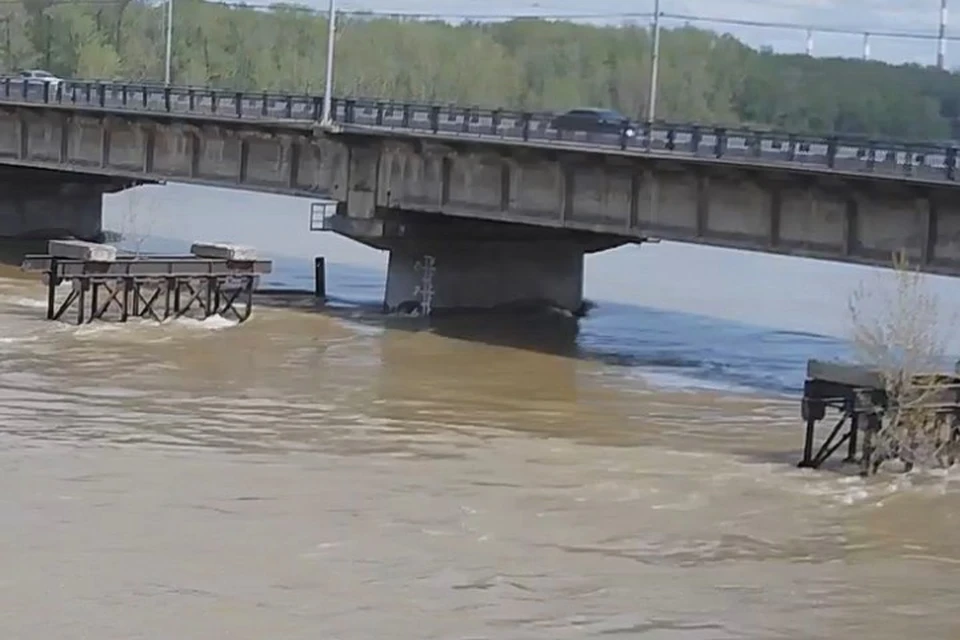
312,476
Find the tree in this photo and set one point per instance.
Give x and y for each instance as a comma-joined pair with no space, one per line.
520,64
899,331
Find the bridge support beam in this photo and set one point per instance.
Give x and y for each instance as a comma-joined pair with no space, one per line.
484,275
40,204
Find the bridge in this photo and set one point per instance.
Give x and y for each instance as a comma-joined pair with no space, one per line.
505,205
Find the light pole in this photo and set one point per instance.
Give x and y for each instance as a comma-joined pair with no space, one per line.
169,56
942,37
328,81
654,63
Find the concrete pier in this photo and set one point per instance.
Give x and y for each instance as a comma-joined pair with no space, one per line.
483,275
46,204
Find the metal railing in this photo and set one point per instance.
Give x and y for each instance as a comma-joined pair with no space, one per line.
918,160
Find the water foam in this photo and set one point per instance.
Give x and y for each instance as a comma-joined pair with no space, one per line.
25,303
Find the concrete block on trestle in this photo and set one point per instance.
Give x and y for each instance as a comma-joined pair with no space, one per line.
80,250
222,251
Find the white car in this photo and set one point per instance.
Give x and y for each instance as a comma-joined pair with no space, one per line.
38,78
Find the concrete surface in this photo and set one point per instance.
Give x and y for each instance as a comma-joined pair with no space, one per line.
378,176
223,251
475,275
80,250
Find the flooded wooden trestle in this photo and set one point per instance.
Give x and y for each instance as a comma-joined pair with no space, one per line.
215,279
861,402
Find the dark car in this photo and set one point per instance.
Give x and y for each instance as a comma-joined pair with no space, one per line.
605,121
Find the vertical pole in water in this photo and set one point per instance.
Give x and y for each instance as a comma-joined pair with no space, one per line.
169,56
52,289
808,443
854,436
320,278
328,81
654,63
83,282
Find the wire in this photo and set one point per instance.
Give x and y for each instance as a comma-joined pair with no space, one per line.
488,17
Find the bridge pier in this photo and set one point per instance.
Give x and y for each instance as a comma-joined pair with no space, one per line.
459,264
41,204
465,275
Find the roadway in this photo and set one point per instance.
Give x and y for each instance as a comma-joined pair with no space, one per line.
905,161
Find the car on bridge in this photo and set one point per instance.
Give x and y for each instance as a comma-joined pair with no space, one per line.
39,78
603,121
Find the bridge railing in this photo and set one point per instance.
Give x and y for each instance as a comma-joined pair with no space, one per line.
849,153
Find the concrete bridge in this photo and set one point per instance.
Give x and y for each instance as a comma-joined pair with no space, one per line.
506,205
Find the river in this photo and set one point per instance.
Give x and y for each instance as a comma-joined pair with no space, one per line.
342,475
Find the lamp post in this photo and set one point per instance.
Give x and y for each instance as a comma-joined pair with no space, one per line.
328,80
942,37
654,63
169,57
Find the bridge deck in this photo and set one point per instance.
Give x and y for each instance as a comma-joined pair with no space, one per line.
894,159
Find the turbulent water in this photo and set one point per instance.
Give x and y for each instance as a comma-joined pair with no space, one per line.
336,474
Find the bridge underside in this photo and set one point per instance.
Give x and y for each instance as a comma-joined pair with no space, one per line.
501,222
45,204
463,265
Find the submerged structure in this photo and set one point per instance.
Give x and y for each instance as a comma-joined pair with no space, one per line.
864,404
214,279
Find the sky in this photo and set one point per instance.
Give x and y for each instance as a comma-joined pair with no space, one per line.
916,16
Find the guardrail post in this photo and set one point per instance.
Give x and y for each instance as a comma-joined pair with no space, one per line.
525,119
264,106
872,156
238,104
721,145
213,102
59,92
495,121
757,144
46,92
624,139
6,87
166,98
671,139
289,111
792,147
435,118
143,95
23,89
832,143
123,95
695,137
405,119
191,99
950,163
380,114
317,109
88,92
350,110
102,94
648,135
467,114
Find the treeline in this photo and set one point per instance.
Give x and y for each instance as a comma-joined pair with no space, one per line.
533,64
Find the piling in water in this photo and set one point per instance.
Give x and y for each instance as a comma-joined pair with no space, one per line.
320,278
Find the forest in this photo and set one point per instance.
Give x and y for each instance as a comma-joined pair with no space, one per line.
705,76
